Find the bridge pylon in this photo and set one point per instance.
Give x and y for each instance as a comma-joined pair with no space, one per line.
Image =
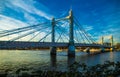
112,48
102,49
53,48
102,40
71,47
111,41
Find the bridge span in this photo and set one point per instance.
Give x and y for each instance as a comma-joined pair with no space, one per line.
27,45
63,32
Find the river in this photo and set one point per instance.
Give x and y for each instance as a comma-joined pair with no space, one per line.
34,59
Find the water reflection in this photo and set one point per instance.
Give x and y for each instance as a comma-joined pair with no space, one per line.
71,60
53,60
34,59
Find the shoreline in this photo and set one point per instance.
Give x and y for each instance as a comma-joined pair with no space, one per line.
111,69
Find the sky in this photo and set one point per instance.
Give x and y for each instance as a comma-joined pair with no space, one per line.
98,17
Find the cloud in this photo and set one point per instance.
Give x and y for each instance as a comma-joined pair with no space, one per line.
30,19
1,5
21,13
29,6
10,23
88,28
26,11
107,32
29,11
64,13
6,23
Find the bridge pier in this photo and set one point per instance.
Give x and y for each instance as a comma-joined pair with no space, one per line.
53,48
71,47
102,49
71,50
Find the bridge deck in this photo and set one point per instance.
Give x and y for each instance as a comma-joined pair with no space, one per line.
18,44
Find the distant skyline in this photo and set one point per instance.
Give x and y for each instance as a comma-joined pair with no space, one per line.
98,17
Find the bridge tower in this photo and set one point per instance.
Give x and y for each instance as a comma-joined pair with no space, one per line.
111,39
71,47
53,48
102,42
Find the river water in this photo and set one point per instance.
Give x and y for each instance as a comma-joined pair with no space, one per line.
33,59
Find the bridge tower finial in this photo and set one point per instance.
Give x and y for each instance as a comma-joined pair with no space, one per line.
71,47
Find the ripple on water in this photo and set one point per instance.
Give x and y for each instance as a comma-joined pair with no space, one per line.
31,59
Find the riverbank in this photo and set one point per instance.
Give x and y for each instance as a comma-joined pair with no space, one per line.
108,69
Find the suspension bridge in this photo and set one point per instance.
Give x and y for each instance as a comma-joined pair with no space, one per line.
63,32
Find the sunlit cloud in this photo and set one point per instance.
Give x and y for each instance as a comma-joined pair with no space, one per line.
99,21
30,19
21,13
29,6
88,28
29,11
10,23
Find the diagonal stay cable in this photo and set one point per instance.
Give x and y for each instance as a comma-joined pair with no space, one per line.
61,19
35,35
11,32
45,36
65,35
76,35
80,33
92,40
32,26
66,28
51,32
60,36
65,32
83,32
26,34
